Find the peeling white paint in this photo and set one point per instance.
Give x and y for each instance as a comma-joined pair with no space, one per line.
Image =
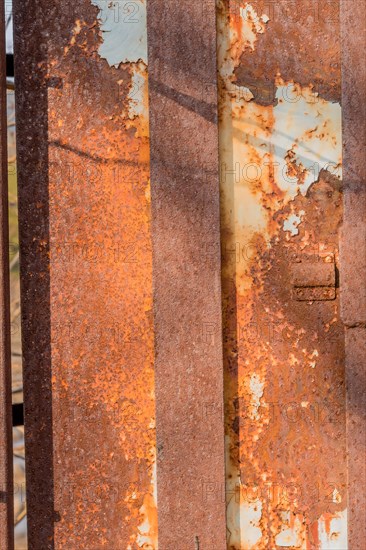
147,531
136,114
124,31
241,35
333,537
309,127
336,497
256,387
291,224
289,537
245,532
137,93
286,144
251,25
250,517
123,26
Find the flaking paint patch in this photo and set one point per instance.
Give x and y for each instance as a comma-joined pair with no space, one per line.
246,531
243,31
256,387
137,100
289,536
280,148
305,137
123,27
250,516
292,222
333,531
250,25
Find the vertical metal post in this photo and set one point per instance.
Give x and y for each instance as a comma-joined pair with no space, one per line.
187,273
353,258
6,452
86,268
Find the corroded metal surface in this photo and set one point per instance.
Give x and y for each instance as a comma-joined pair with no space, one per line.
6,451
89,283
353,258
280,156
187,295
86,266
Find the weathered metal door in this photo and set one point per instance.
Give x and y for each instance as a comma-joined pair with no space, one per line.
192,271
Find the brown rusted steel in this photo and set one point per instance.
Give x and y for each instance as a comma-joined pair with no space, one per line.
86,269
281,195
32,157
187,296
353,258
314,280
121,286
6,450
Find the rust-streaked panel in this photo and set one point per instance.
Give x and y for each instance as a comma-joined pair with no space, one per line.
86,267
281,195
353,258
6,447
187,295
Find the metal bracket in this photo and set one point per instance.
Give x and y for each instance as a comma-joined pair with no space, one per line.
314,280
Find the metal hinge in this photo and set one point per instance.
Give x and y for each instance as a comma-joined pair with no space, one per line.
314,279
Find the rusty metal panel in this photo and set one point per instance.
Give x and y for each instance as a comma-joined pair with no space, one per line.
281,195
6,448
86,268
121,285
353,258
187,293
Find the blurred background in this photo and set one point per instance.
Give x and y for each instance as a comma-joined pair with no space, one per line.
16,346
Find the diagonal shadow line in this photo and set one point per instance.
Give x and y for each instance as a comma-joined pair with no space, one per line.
198,106
95,158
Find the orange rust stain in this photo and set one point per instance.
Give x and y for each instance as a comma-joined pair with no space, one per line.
101,300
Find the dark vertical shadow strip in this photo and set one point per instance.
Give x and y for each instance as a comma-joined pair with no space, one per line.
30,57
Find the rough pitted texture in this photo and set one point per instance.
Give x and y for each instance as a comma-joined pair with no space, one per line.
187,297
283,336
353,258
305,44
86,268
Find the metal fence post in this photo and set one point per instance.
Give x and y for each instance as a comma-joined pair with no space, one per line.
86,270
353,258
187,273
